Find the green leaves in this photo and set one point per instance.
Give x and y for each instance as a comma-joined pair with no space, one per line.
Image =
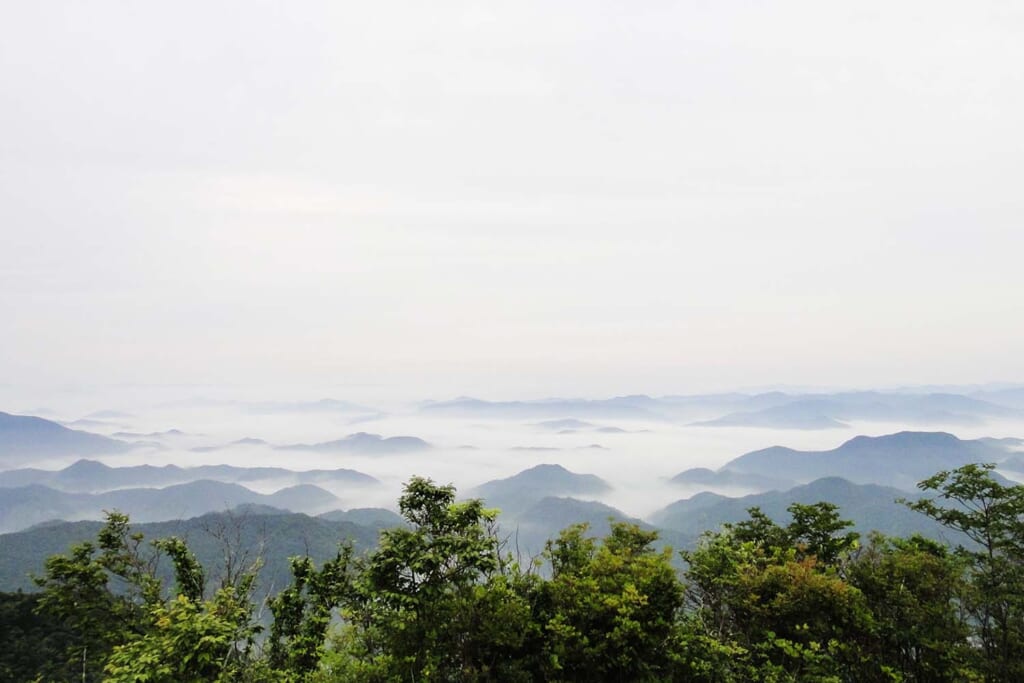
609,609
438,600
991,516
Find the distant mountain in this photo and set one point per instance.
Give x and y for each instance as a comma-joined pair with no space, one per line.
90,476
869,506
567,423
775,409
274,535
301,498
1012,397
899,460
796,415
364,444
150,435
517,493
24,437
324,405
702,476
247,441
26,506
1014,463
109,415
545,518
623,407
833,410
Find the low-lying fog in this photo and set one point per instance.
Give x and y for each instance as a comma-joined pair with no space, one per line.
636,461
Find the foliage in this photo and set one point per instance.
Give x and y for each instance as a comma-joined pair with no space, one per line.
302,612
31,643
101,593
758,592
189,641
440,599
914,589
991,515
609,610
436,601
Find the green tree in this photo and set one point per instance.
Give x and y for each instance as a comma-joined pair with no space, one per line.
913,588
435,601
190,641
768,603
127,628
100,592
609,610
33,644
303,612
991,515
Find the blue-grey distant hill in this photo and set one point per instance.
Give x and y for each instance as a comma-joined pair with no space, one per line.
324,405
363,444
149,435
774,409
1010,396
900,460
702,476
622,407
826,411
89,476
25,506
25,437
811,414
569,423
517,493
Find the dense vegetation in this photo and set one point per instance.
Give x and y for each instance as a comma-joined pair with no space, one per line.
444,599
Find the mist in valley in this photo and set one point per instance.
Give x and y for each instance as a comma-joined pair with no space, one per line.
636,457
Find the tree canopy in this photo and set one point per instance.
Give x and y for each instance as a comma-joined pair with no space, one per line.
441,598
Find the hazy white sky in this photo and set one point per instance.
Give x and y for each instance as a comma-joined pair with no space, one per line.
510,199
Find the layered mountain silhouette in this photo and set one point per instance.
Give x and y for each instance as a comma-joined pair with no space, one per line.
517,493
834,410
869,506
363,443
900,460
25,437
89,476
774,410
25,506
623,407
702,476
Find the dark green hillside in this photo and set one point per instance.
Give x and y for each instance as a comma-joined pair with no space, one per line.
275,537
371,517
870,507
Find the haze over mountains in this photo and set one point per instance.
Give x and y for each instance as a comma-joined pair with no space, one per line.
26,437
91,476
680,464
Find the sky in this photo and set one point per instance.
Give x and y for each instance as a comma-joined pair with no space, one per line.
508,200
